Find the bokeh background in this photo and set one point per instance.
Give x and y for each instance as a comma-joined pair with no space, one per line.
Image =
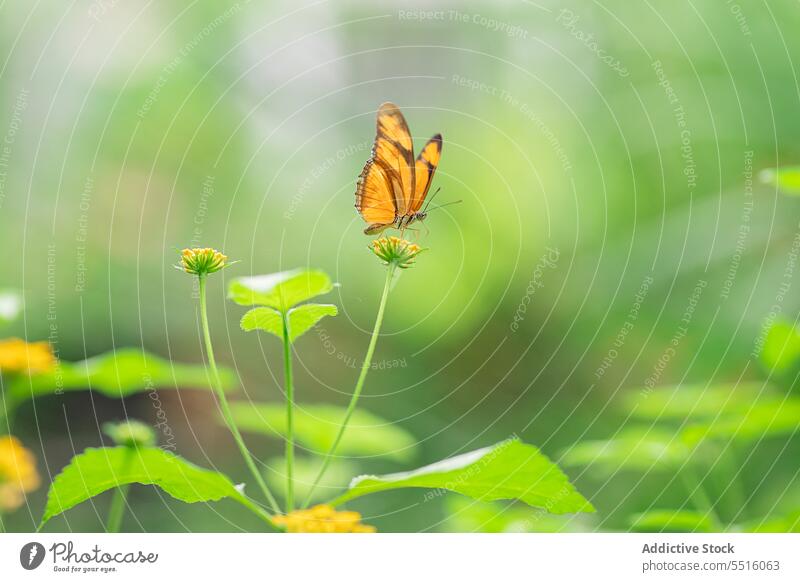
607,155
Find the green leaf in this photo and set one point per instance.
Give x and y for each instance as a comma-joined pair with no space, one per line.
781,350
306,470
10,305
668,520
636,449
786,178
315,428
789,523
700,402
304,317
97,470
263,319
301,319
118,374
465,515
280,291
507,470
762,420
748,412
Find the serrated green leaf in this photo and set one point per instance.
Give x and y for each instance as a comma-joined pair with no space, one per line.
301,319
263,319
97,470
304,317
508,470
10,305
315,428
636,449
786,178
118,374
280,291
667,520
781,350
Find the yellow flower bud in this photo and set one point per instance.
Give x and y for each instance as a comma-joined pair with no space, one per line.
395,250
202,261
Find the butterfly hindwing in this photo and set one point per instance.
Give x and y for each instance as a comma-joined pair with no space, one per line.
373,195
425,166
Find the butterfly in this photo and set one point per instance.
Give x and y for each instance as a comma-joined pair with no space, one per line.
393,184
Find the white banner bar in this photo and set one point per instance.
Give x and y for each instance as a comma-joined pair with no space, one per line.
401,557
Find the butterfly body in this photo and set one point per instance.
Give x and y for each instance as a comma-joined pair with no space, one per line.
393,184
400,223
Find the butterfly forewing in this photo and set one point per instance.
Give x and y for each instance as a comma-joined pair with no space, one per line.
394,152
425,166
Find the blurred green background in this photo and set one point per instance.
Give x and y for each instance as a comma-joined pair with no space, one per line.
600,149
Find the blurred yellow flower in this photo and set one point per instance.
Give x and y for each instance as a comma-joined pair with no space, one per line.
395,250
202,261
18,473
17,355
323,519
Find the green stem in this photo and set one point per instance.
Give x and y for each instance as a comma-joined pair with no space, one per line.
259,511
223,401
359,384
287,378
9,407
736,495
118,503
117,509
699,496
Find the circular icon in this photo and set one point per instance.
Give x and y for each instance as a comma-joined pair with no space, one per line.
31,555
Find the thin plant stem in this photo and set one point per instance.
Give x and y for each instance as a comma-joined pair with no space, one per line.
119,501
359,383
117,509
260,512
699,496
736,496
289,385
223,401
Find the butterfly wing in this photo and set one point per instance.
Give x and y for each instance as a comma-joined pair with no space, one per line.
394,151
425,166
386,185
374,199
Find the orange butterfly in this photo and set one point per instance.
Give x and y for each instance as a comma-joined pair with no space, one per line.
393,185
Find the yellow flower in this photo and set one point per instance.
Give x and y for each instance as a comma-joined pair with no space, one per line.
323,519
395,250
17,355
202,261
18,473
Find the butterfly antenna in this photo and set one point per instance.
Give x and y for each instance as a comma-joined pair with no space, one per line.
428,203
443,205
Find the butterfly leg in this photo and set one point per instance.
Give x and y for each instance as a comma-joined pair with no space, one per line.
416,232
